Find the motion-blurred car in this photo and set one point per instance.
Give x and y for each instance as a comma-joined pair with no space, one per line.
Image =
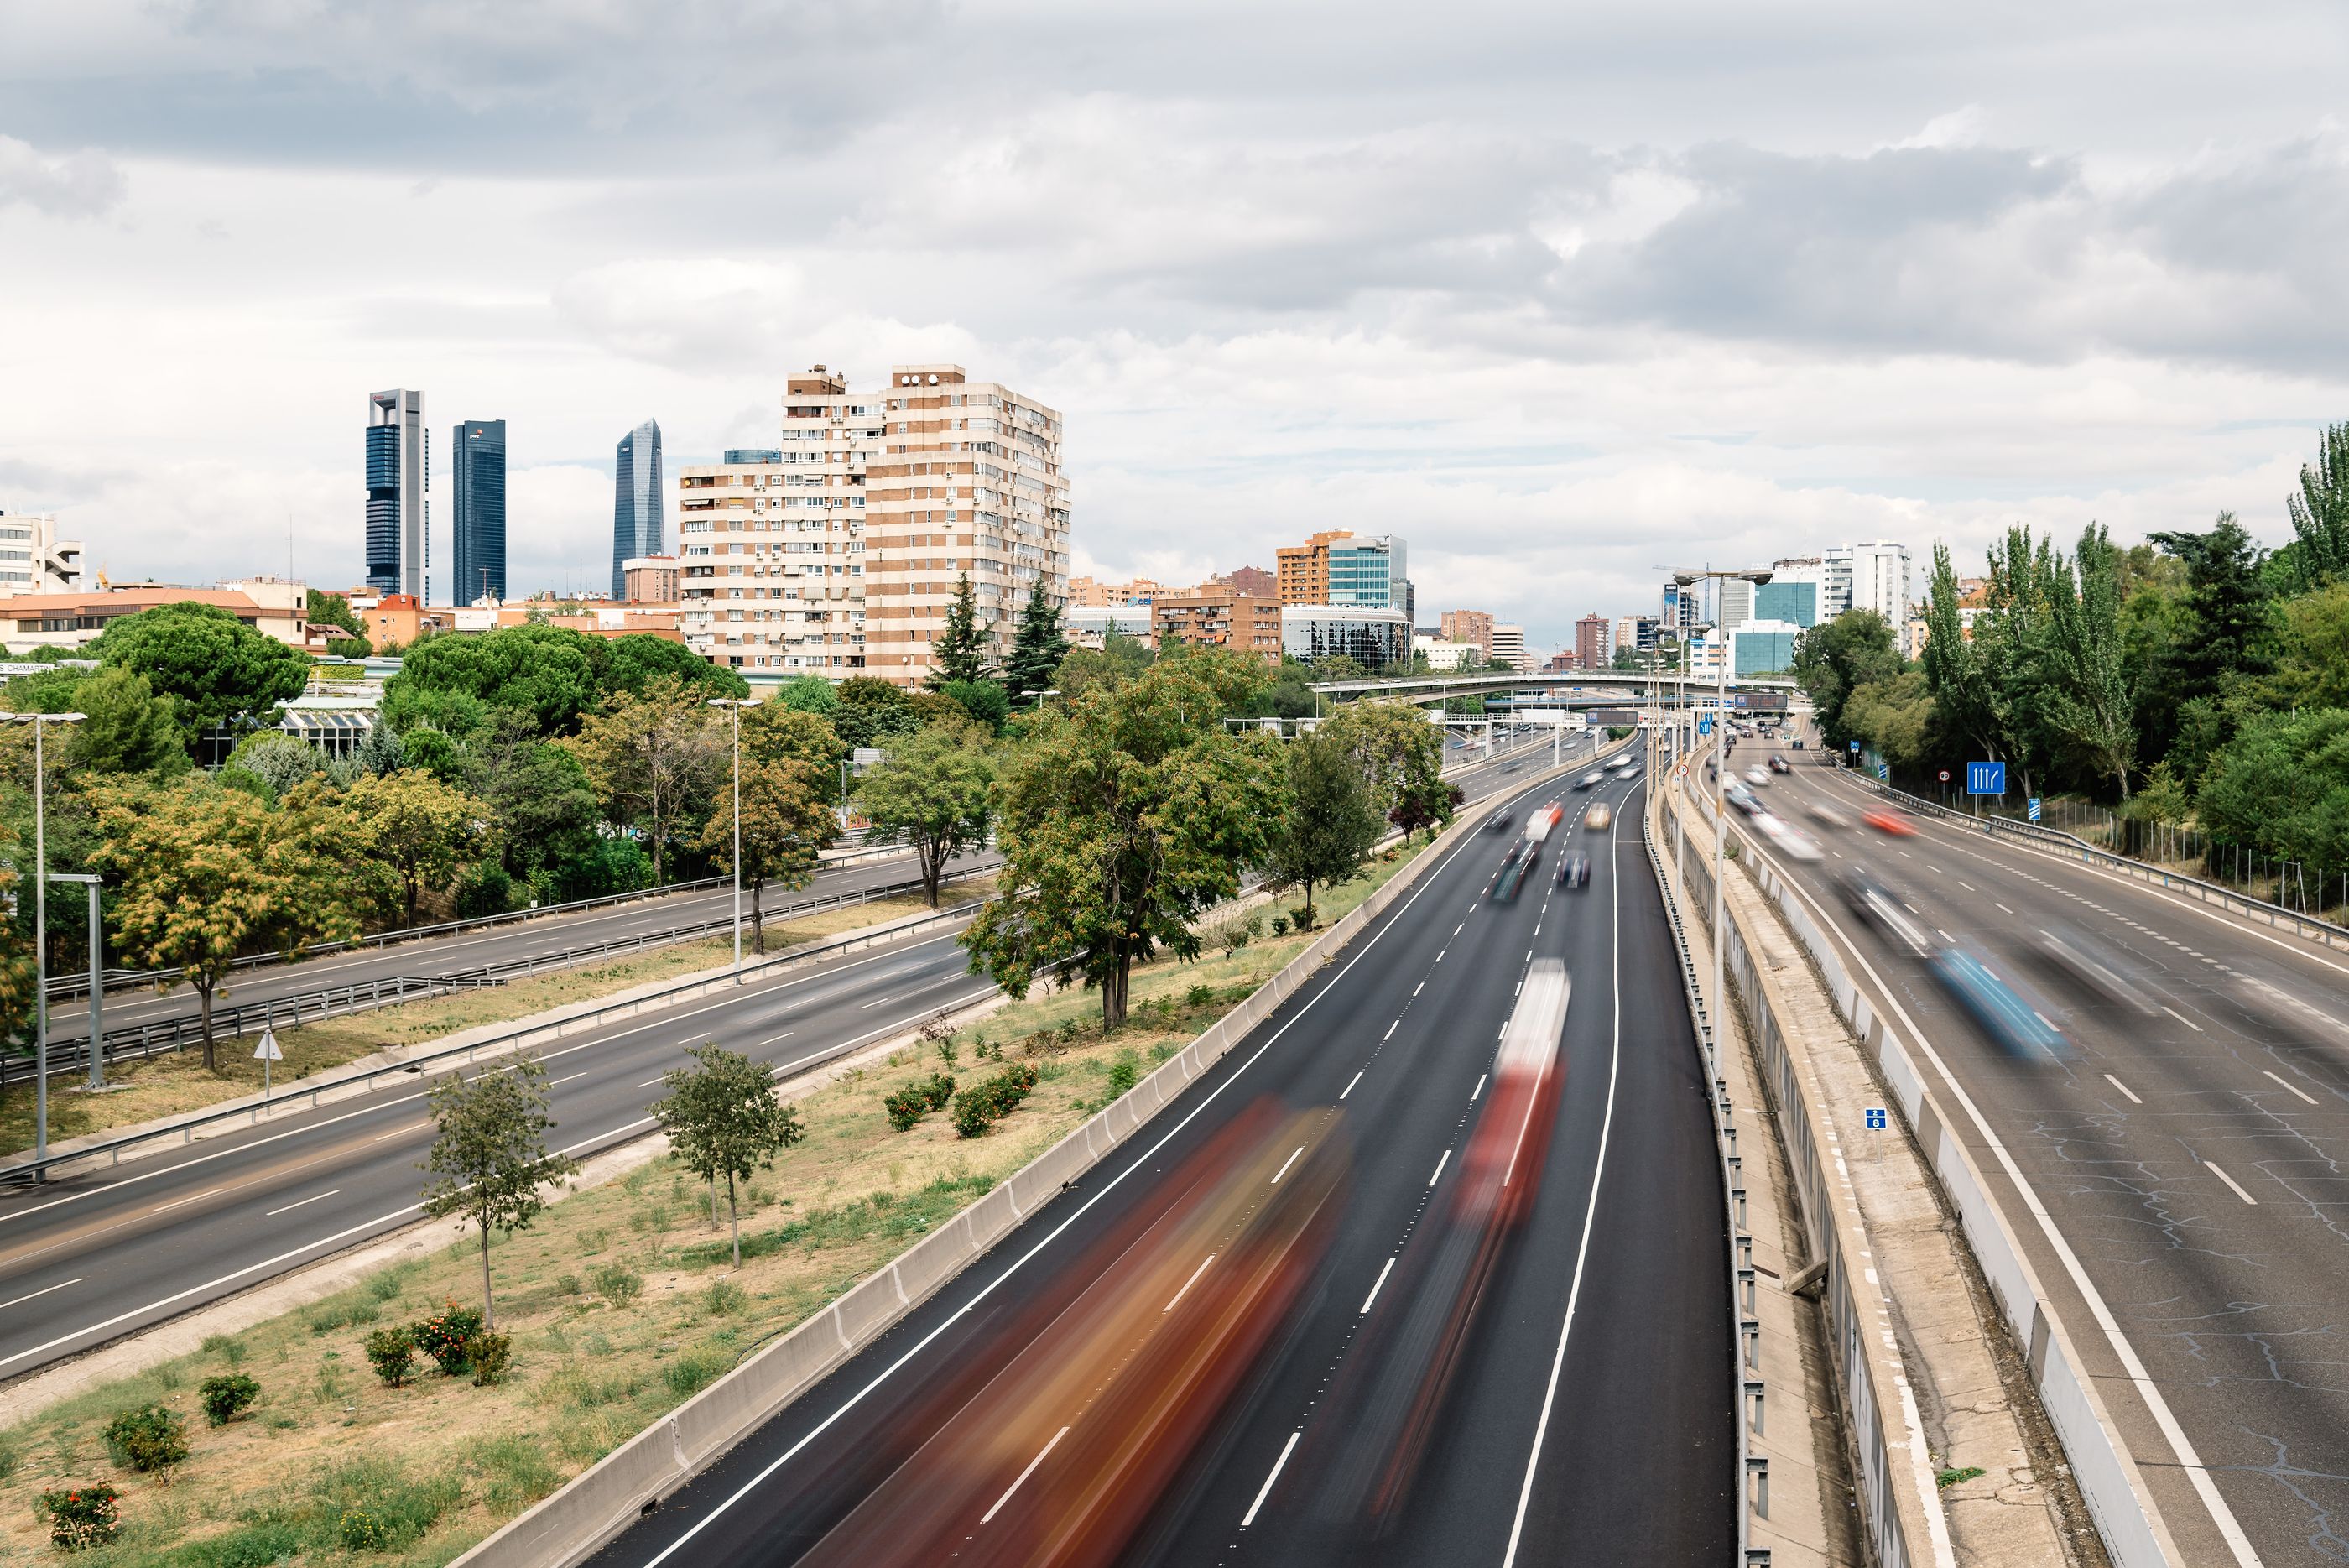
2012,1023
1758,777
1744,799
1779,765
1514,867
1827,815
1787,837
1574,871
1886,820
1499,821
2081,963
1869,898
1590,780
1599,817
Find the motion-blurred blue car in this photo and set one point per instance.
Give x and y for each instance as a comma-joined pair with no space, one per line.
2014,1025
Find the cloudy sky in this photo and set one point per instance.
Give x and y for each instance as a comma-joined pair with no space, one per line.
1560,293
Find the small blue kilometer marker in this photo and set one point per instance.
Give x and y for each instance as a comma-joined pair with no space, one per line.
1877,1120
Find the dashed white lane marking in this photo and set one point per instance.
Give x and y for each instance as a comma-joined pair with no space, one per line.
989,1515
1375,1286
2295,1089
1286,1449
1350,1085
1945,935
1189,1282
1966,885
2231,1182
1389,1034
1291,1160
413,1127
178,1203
1419,987
1440,1162
42,1292
2123,1088
314,1197
2182,1018
1481,1076
2003,908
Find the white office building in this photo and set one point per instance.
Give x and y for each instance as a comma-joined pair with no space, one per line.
33,559
1880,582
1509,647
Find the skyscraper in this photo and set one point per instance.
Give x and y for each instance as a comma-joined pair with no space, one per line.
478,460
398,476
635,501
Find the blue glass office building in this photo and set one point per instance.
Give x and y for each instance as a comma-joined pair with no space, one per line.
398,477
1797,603
1371,572
635,500
478,458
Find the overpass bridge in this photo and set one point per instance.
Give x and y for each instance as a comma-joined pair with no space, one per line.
1595,686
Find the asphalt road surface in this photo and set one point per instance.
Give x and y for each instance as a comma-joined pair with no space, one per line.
99,1255
2187,1150
1574,1403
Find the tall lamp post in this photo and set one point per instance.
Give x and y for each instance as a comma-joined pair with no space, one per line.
734,706
41,925
1721,779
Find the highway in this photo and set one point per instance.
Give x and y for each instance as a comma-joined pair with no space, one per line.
95,1256
2187,1151
1400,1384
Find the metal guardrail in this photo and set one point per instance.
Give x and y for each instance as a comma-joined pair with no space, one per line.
184,1129
137,1042
2306,926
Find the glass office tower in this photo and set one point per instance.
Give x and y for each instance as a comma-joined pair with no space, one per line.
478,460
635,501
398,476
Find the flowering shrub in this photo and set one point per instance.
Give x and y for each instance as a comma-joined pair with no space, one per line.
149,1439
82,1516
224,1398
360,1531
392,1352
488,1355
983,1105
907,1105
444,1334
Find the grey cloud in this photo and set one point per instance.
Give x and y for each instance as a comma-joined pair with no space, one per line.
84,184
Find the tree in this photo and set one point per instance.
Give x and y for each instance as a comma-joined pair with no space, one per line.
1037,648
868,712
1395,748
787,820
2230,616
982,701
272,761
2312,665
127,729
1836,656
639,659
216,671
422,829
2281,785
2092,702
489,1158
1126,814
548,675
17,985
935,787
1118,658
723,1118
333,609
1328,824
1895,717
653,760
775,732
207,875
960,651
2320,513
808,694
1430,806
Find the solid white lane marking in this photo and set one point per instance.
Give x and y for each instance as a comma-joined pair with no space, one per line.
989,1515
1375,1286
2230,1181
1479,1088
1444,1160
181,1202
1266,1490
1350,1085
1286,1164
44,1291
2295,1089
2123,1088
2181,1017
1193,1280
315,1198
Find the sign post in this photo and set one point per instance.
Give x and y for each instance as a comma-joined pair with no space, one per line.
1986,778
2031,807
266,1052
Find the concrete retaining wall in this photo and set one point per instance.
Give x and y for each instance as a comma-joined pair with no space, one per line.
568,1526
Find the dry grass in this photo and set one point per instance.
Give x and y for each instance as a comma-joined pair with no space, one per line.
177,1084
448,1463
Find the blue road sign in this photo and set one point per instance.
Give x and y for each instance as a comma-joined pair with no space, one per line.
1855,745
1883,773
1705,724
1985,778
2032,805
1877,1120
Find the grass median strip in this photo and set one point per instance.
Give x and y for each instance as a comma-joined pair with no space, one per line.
176,1084
620,1303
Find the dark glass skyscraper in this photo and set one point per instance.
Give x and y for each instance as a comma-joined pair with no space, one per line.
478,457
399,475
635,500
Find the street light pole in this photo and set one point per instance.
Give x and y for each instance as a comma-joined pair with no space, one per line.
90,880
41,927
734,706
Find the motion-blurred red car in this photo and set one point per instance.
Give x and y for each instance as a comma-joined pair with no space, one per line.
1884,819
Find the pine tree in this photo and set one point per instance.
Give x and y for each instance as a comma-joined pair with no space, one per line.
960,653
1037,648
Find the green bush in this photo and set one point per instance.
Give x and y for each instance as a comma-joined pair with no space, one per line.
513,1470
906,1108
224,1398
148,1440
361,1531
392,1352
695,1370
983,1105
616,1283
487,1354
1280,925
483,891
82,1516
395,1509
1123,1074
724,1297
444,1334
262,1543
1199,995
